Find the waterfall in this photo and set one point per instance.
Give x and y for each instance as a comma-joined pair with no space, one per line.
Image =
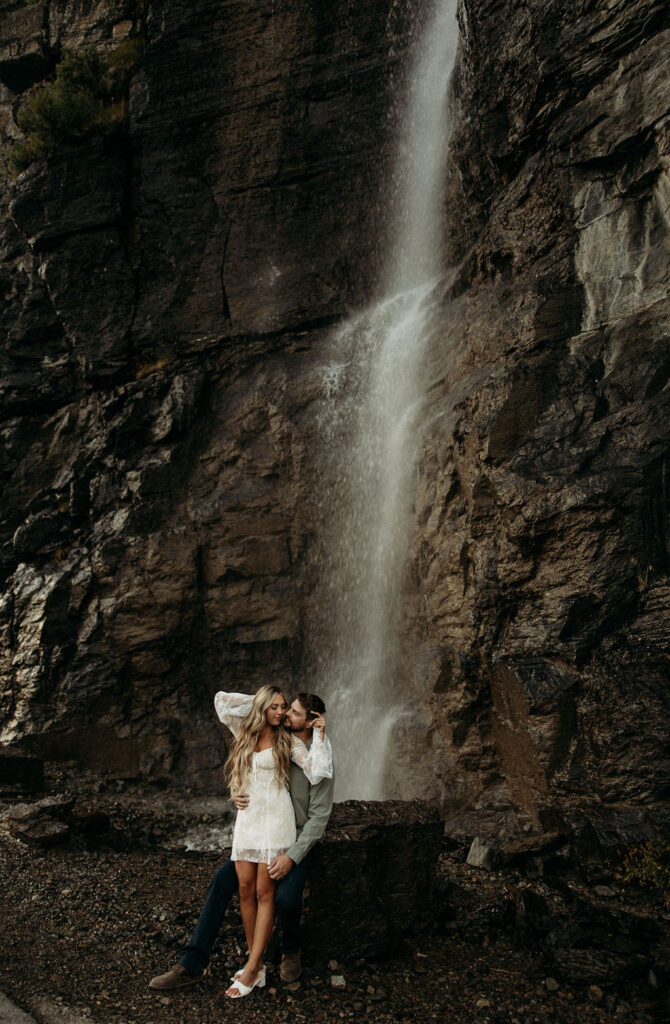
369,440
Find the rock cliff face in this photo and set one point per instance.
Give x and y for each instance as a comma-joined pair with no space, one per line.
168,290
541,554
164,287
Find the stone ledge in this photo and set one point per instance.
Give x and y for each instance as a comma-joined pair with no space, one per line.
375,879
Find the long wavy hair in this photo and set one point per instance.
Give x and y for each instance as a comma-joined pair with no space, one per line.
238,765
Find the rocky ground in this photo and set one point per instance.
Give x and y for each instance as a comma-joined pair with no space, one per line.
88,922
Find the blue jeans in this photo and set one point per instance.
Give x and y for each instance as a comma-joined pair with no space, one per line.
288,904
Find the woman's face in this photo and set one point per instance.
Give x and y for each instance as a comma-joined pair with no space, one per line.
274,715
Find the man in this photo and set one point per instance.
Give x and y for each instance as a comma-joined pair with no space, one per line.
312,806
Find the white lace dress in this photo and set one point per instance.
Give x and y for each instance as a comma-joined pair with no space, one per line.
267,827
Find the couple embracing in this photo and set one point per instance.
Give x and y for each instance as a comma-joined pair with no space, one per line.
281,780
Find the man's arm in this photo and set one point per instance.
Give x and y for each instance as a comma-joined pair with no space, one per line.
318,813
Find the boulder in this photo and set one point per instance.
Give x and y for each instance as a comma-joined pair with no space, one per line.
39,830
55,806
375,879
42,823
518,851
482,854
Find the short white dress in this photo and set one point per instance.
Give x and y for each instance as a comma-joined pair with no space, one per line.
267,827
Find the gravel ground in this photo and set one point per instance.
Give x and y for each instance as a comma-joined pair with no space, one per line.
86,930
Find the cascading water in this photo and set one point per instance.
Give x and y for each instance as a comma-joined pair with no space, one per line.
369,437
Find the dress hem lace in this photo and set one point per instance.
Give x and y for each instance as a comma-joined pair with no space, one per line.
257,856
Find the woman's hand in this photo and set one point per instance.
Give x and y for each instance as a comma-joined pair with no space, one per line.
241,801
319,722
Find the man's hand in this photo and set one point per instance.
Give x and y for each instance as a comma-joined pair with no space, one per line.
319,722
241,801
280,867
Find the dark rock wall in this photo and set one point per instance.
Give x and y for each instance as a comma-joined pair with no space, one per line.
167,291
541,555
163,289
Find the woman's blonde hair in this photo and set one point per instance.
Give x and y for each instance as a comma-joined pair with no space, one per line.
238,765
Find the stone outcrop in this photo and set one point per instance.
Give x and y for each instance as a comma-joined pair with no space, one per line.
168,291
43,823
376,878
541,552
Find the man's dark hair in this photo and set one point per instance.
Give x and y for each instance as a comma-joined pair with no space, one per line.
311,702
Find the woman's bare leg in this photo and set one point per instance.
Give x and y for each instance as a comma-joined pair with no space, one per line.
265,915
246,877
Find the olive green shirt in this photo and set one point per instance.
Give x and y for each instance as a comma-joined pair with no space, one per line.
312,806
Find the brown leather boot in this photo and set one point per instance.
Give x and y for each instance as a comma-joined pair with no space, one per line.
290,968
176,977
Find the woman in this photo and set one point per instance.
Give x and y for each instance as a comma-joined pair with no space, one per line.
259,766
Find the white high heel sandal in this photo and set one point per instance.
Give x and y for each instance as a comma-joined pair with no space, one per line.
245,990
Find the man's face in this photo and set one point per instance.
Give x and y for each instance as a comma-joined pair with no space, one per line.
295,718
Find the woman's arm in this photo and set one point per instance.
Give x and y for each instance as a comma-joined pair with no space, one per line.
232,709
317,762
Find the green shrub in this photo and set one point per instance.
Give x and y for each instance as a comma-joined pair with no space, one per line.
87,95
648,866
23,154
123,63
